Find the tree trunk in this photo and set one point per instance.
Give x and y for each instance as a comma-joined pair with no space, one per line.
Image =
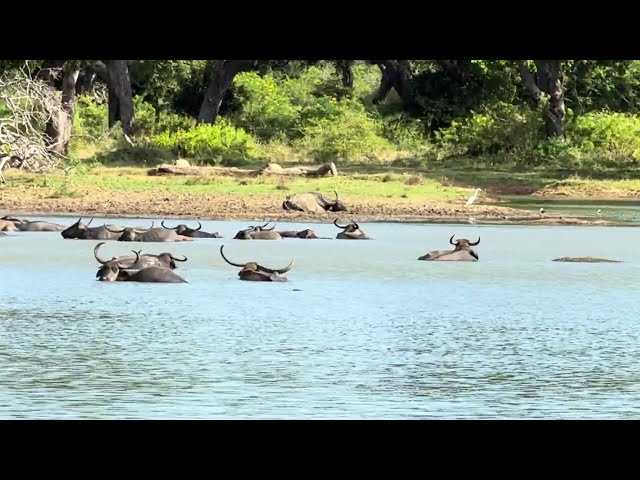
347,74
221,79
59,129
85,83
550,82
529,82
396,74
120,97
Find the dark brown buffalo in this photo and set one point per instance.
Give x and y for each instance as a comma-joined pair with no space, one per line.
255,272
114,270
33,226
351,231
182,229
313,202
258,233
81,231
461,253
157,234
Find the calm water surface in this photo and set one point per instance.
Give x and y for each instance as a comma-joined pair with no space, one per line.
372,333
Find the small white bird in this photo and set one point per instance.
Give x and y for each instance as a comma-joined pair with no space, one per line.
599,212
541,212
473,197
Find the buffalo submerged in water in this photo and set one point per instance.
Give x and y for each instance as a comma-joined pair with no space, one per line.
151,234
115,270
258,233
33,226
182,229
463,252
82,231
254,272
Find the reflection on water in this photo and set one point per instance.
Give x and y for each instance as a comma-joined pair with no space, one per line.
372,333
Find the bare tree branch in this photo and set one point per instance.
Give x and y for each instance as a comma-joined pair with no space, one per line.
31,104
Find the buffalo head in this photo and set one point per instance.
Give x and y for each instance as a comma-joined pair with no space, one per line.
129,234
112,270
463,243
246,234
253,271
77,230
332,206
182,228
169,259
350,231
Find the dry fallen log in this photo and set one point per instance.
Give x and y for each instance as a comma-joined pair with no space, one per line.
269,169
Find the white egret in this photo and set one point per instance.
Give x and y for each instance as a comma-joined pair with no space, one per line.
541,212
473,197
599,212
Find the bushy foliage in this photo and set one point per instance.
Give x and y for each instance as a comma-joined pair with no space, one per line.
497,129
302,112
91,118
221,143
612,137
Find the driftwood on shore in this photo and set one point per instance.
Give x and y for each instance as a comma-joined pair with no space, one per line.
269,169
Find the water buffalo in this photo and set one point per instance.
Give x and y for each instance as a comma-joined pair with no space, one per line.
313,202
182,229
165,259
255,272
7,226
157,234
34,226
258,233
81,231
306,233
113,270
350,231
461,253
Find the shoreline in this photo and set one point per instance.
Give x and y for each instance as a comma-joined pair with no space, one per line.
529,220
129,193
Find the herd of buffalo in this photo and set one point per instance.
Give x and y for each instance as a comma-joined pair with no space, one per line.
160,267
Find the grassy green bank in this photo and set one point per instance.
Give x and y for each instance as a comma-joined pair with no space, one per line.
371,192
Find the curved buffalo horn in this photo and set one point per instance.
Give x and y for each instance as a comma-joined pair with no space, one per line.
97,255
277,270
168,228
328,201
473,244
451,239
143,231
177,259
336,224
199,225
113,231
355,225
241,265
89,221
268,229
124,267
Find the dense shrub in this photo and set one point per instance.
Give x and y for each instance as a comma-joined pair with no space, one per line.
221,143
502,128
612,137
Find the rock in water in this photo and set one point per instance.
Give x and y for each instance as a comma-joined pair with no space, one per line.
585,260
